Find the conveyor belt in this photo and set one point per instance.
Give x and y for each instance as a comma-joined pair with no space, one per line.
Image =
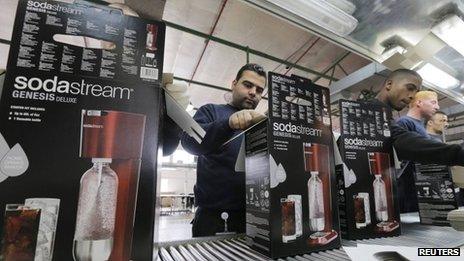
233,248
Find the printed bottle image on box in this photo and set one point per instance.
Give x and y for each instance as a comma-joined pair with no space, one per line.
290,181
80,113
113,141
366,179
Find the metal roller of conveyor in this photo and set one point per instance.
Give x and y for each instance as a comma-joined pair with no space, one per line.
234,248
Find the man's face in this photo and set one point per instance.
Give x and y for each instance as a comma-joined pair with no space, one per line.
438,123
248,90
401,90
428,107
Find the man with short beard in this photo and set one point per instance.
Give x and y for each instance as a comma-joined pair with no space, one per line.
436,125
219,188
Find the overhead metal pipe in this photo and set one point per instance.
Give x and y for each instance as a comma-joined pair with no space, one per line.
207,40
337,61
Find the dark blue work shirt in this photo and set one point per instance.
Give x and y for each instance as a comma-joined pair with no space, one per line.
412,124
406,182
218,186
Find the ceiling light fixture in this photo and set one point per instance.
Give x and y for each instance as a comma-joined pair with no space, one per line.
451,31
322,13
437,77
346,6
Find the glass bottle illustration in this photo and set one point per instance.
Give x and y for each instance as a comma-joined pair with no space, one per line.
376,167
325,109
386,128
315,190
114,137
316,204
96,212
380,197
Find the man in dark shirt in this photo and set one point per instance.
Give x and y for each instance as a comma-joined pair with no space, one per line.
437,125
219,188
422,108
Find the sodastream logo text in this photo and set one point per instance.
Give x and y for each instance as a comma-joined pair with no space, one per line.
52,7
363,142
296,129
56,86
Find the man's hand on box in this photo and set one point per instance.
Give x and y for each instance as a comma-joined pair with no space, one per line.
126,10
244,119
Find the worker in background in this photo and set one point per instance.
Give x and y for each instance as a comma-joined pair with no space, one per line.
219,188
436,126
397,91
421,109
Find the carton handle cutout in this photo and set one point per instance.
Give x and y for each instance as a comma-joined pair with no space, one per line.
298,101
97,5
84,41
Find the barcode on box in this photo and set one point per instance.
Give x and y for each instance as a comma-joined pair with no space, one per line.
149,73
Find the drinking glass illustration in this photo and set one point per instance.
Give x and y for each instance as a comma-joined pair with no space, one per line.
49,208
288,219
20,230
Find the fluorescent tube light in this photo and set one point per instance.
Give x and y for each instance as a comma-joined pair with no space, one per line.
346,6
437,77
321,13
451,31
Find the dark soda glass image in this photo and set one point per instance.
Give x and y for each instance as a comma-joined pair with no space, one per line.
20,230
359,213
361,210
288,220
298,214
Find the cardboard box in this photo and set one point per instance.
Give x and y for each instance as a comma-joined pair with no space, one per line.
79,133
435,193
290,183
366,175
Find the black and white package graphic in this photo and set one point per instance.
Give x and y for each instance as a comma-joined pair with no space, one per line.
80,114
435,193
366,176
290,183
